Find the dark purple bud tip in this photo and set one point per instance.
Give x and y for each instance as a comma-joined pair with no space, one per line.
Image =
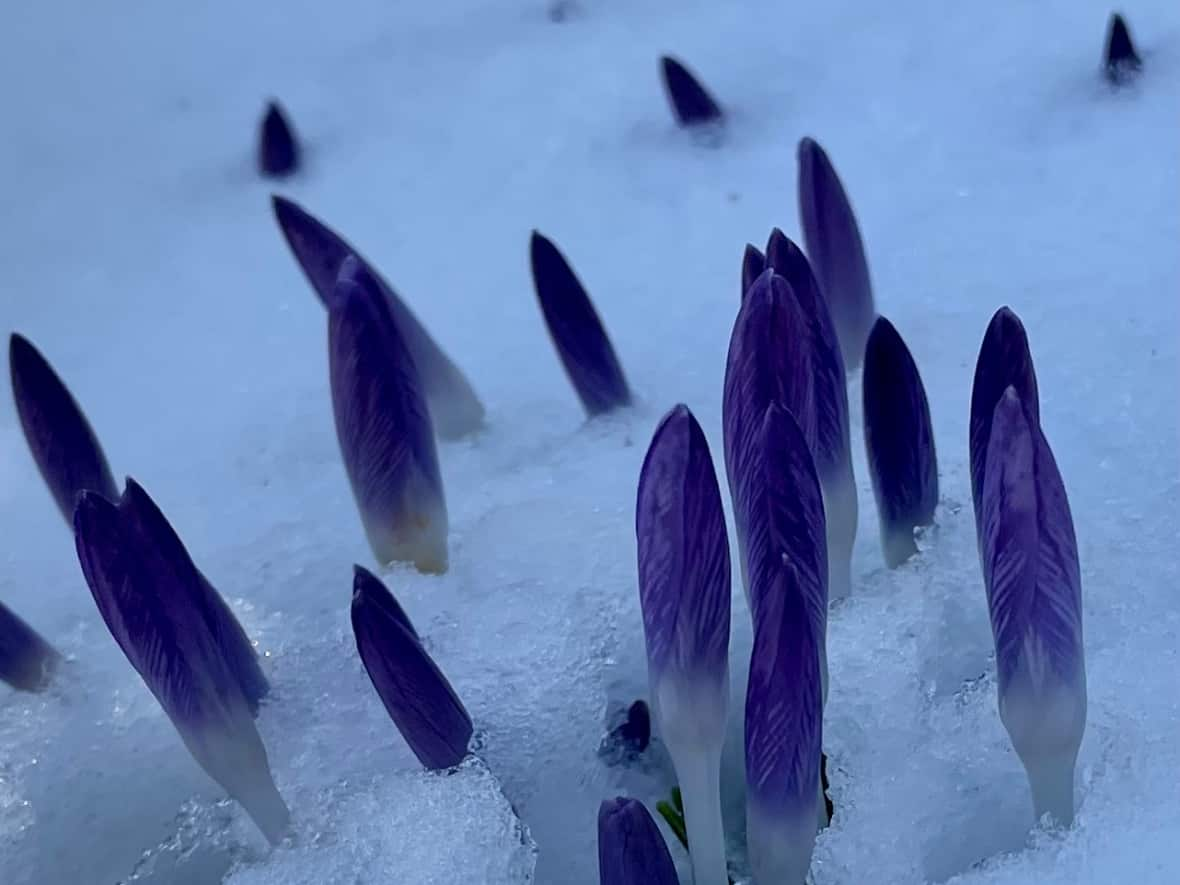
62,443
753,263
630,735
27,661
836,250
1004,360
576,330
690,101
366,584
278,149
415,693
1122,62
899,441
384,426
631,850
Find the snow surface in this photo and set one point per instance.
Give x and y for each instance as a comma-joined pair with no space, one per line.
988,164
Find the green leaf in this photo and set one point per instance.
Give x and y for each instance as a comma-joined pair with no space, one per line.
674,820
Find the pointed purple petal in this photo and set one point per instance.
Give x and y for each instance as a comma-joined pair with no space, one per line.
768,362
683,554
147,525
365,582
576,330
384,428
631,850
142,595
899,441
690,101
27,661
59,436
836,250
414,691
320,252
1121,61
1004,360
1033,581
753,263
278,149
784,733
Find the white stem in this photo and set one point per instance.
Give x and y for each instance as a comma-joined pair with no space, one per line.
1051,780
699,774
780,844
840,516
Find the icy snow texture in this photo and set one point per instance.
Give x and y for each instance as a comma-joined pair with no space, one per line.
989,163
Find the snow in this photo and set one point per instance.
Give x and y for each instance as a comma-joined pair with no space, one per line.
988,164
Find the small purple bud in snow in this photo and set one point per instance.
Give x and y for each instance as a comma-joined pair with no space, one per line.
1121,61
383,425
278,149
836,250
684,592
320,252
576,330
146,597
784,733
27,661
1004,360
145,522
59,436
768,361
690,101
1034,594
414,691
631,849
899,441
368,584
753,263
833,439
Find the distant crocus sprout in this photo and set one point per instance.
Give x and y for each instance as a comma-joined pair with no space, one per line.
415,693
784,696
753,263
145,596
27,661
1004,360
836,250
576,330
320,251
63,445
631,850
146,524
1033,581
684,592
833,440
899,441
1121,62
278,148
769,361
691,102
383,426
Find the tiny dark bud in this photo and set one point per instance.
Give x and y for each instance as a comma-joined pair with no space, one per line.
278,151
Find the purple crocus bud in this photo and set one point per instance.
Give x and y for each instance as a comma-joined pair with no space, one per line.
631,850
147,525
833,440
836,250
1034,595
899,441
576,330
1004,360
414,691
1121,62
784,733
27,661
383,425
690,101
753,263
278,149
321,251
768,361
684,592
145,599
367,583
59,436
